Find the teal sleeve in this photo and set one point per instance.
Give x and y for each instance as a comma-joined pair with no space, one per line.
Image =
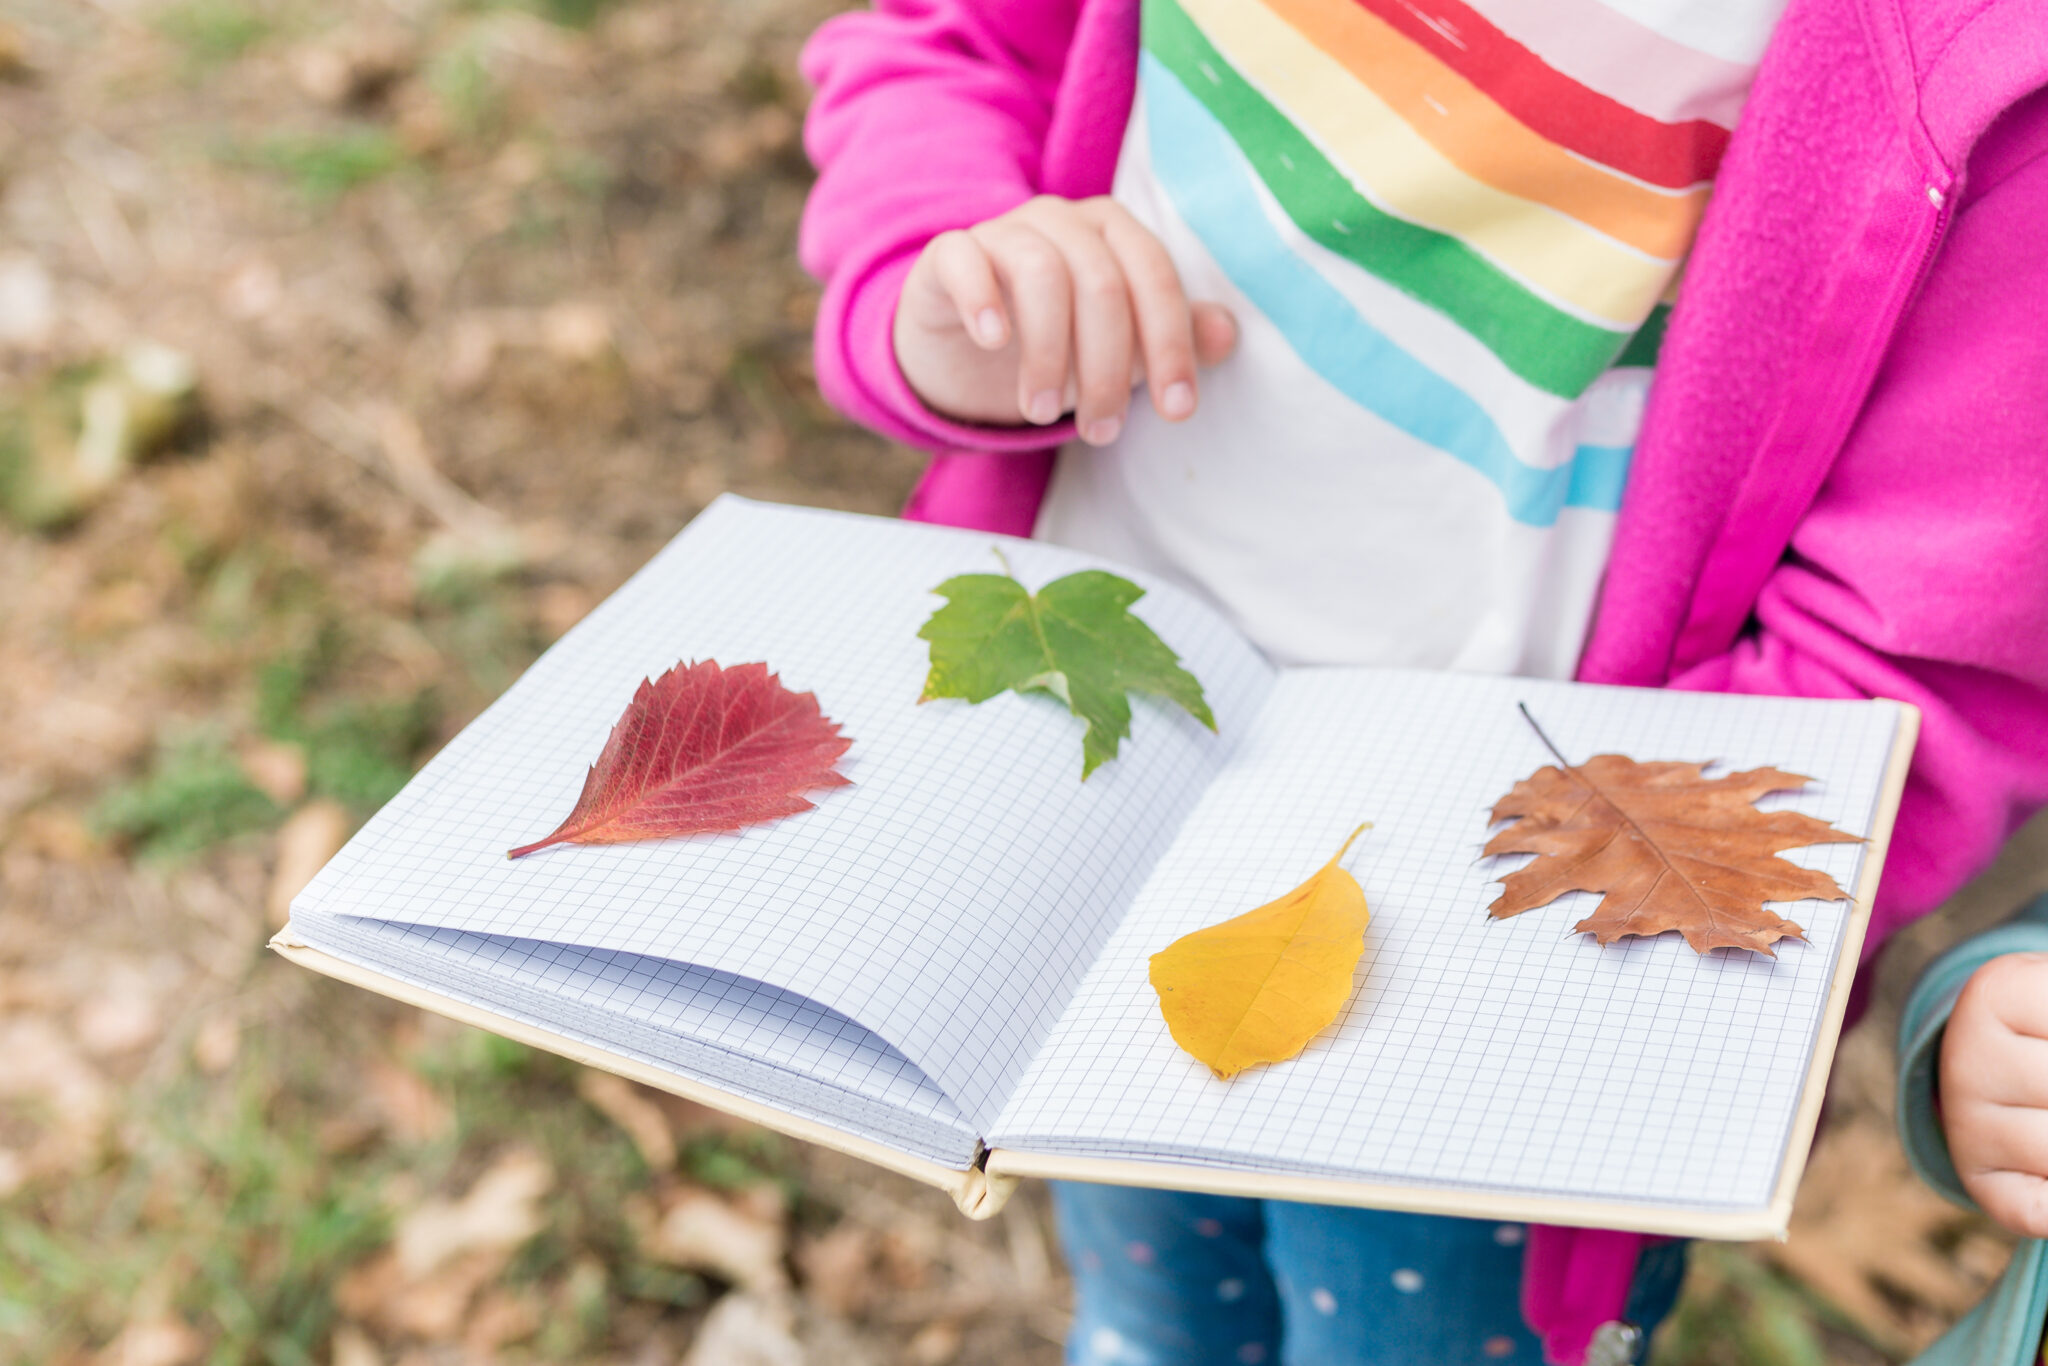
1920,1031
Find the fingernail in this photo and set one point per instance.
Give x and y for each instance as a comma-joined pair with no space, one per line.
1101,431
1178,400
1043,408
988,325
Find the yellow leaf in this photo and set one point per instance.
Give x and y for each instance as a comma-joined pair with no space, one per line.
1257,988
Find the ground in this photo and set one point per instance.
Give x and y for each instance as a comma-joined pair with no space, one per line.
349,353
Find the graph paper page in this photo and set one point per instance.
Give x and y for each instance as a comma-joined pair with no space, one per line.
949,900
773,1046
1509,1054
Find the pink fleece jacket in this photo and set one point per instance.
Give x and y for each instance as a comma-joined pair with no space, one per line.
1841,486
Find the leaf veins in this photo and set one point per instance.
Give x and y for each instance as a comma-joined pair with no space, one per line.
1258,987
704,749
1074,639
1670,848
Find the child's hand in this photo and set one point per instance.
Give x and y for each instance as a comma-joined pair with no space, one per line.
1994,1090
1059,305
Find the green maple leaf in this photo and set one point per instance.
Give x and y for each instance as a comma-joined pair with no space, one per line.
1075,639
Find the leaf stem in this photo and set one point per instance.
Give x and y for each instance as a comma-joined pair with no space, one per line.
1004,561
1619,810
1350,840
1523,707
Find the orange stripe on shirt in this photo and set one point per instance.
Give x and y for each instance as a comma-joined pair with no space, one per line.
1557,106
1485,141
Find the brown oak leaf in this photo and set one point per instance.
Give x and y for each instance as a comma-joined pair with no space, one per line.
704,749
1671,848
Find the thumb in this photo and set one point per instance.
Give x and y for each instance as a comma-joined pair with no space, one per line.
1215,332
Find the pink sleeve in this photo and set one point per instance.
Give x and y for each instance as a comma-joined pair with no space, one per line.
929,115
1921,571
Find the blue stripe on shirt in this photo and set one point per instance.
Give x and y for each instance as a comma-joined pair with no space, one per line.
1211,187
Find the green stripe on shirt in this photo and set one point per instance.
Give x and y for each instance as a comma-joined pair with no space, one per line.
1546,346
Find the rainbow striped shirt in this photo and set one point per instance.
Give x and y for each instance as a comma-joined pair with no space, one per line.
1448,229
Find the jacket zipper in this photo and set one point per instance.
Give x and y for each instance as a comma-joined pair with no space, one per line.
1943,198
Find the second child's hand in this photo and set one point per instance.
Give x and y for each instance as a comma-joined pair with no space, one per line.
1058,306
1994,1090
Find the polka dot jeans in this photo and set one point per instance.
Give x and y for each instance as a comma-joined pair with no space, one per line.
1164,1278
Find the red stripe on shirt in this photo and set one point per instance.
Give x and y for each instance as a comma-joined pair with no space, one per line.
1553,105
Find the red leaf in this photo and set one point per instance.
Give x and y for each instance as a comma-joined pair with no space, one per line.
704,749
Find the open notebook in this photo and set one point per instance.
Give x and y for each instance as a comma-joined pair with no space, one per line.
943,967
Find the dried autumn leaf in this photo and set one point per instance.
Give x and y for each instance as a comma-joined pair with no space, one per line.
1074,639
1670,848
704,749
1258,987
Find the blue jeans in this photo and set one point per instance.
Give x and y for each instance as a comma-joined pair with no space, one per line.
1164,1278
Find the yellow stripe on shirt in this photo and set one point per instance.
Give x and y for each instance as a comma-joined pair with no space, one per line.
1484,140
1556,256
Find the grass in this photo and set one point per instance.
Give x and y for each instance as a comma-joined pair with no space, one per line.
324,166
231,1208
358,751
1738,1311
194,796
462,81
567,13
211,32
225,1210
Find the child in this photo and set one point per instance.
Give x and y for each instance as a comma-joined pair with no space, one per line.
1973,1112
1421,247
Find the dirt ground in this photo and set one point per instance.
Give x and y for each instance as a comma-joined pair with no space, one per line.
349,353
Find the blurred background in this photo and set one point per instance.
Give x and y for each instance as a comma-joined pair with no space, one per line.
349,353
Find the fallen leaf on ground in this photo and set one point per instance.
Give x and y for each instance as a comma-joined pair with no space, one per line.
433,1307
276,767
351,1346
838,1268
411,1109
160,1341
1670,848
500,1211
446,1251
354,68
74,439
629,1107
701,1232
1074,639
704,749
500,1317
935,1344
746,1330
1258,987
120,1022
39,1063
28,299
216,1043
310,836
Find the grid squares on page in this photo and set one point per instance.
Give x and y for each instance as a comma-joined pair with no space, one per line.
1477,1053
779,1048
949,900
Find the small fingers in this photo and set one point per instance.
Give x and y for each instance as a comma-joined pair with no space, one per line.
2017,1200
969,279
1165,328
2003,1162
1215,332
1035,274
1102,322
2014,988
